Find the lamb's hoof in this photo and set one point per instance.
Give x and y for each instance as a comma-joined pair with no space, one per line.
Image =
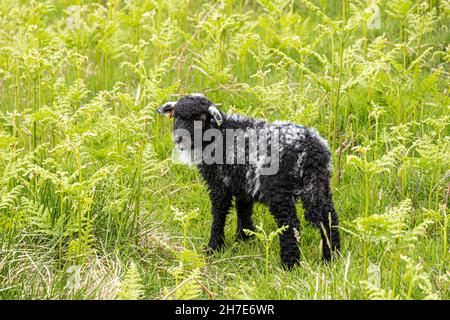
242,236
290,264
328,256
290,261
211,249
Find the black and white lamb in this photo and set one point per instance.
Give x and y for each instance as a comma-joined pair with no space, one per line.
303,172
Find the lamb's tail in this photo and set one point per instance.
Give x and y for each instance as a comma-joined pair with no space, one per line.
317,151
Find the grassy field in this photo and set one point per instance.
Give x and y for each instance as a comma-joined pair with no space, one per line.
92,207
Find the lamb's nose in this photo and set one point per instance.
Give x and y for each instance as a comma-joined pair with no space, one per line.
178,139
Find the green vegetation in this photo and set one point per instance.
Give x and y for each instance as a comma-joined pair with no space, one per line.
91,206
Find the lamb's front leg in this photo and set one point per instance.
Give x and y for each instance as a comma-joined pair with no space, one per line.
244,210
220,205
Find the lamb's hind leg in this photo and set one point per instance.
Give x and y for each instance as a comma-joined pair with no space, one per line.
319,209
244,210
282,207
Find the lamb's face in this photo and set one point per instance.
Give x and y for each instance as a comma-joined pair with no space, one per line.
192,113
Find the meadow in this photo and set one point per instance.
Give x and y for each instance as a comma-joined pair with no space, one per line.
92,206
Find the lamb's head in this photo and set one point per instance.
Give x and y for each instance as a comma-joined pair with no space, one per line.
191,112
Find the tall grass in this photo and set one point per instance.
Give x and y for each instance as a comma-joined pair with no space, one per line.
87,187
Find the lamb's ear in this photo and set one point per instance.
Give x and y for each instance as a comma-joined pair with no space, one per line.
215,113
166,109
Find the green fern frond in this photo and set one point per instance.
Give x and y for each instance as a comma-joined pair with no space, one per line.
131,287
